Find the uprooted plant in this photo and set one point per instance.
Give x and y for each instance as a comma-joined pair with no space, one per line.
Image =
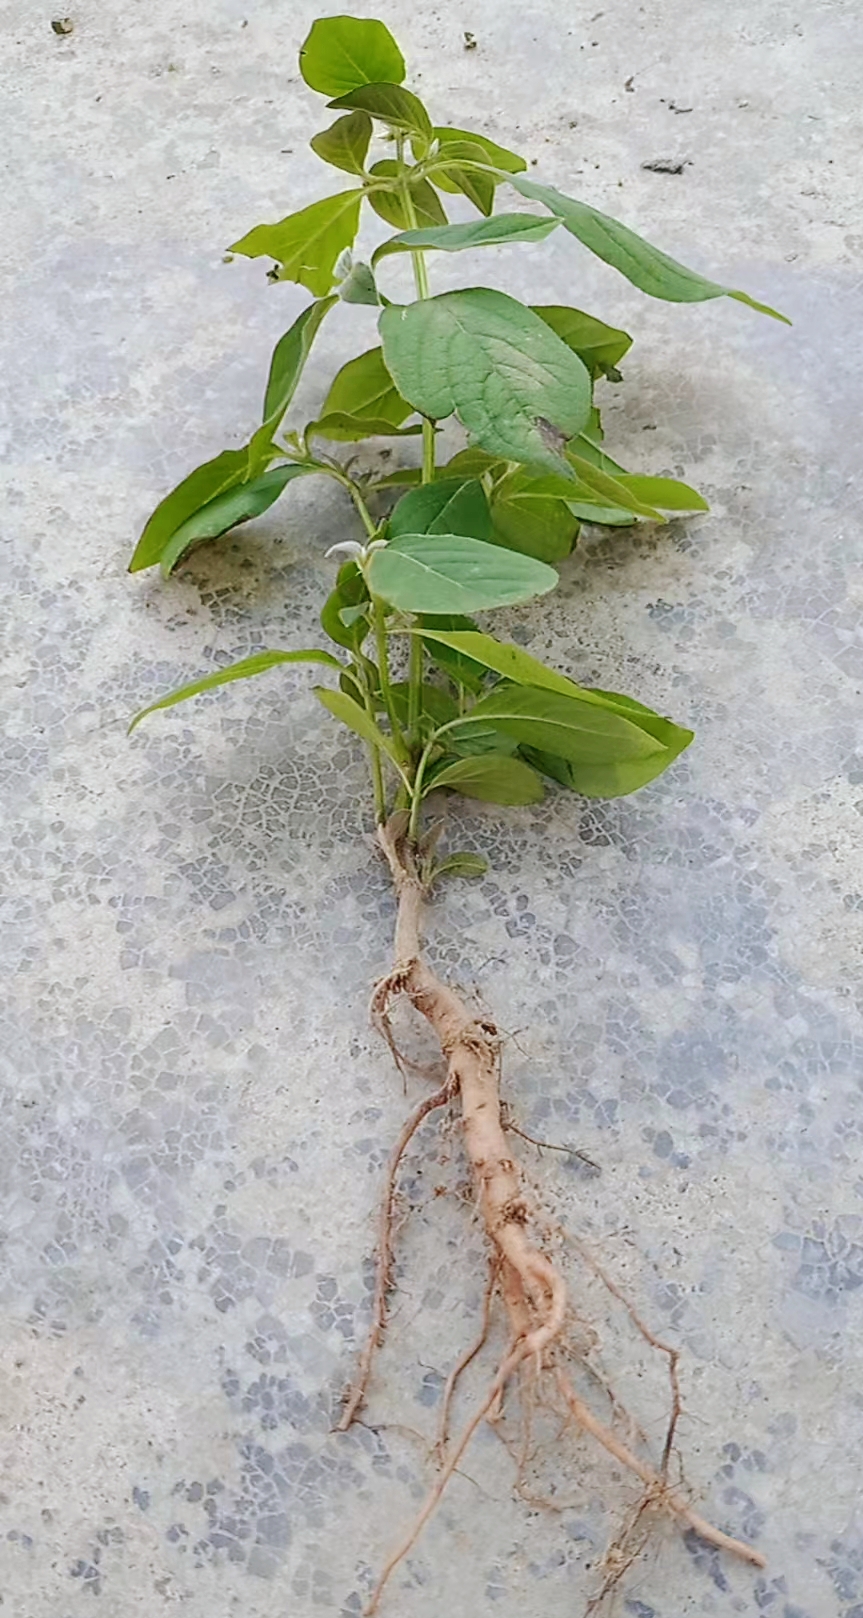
441,705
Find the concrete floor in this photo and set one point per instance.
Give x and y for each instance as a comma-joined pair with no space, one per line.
195,1112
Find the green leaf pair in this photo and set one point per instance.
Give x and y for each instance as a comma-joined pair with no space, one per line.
595,742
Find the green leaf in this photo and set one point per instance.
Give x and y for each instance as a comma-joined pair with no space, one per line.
342,707
359,285
350,592
449,506
527,518
461,670
516,387
391,105
195,491
646,267
340,427
497,156
601,516
619,778
461,176
289,356
307,244
444,573
567,726
470,865
495,232
364,388
607,489
495,778
666,493
593,777
345,143
244,670
341,53
390,205
600,347
228,510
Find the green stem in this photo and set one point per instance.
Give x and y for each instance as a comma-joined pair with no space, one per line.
416,803
421,281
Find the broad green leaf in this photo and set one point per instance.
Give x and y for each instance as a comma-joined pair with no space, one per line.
666,493
495,232
359,285
646,267
529,519
289,357
497,156
516,387
244,670
350,591
567,726
350,713
450,506
589,446
390,205
445,573
495,778
617,779
600,347
391,105
195,491
606,488
340,53
461,176
363,387
307,244
228,510
345,143
461,670
470,865
340,427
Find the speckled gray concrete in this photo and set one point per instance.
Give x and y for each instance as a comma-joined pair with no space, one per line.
195,1111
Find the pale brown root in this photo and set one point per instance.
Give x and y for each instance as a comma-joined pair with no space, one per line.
673,1354
656,1485
528,1348
533,1292
383,1267
546,1145
462,1364
624,1550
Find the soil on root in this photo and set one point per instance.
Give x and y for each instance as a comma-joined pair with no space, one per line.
521,1274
